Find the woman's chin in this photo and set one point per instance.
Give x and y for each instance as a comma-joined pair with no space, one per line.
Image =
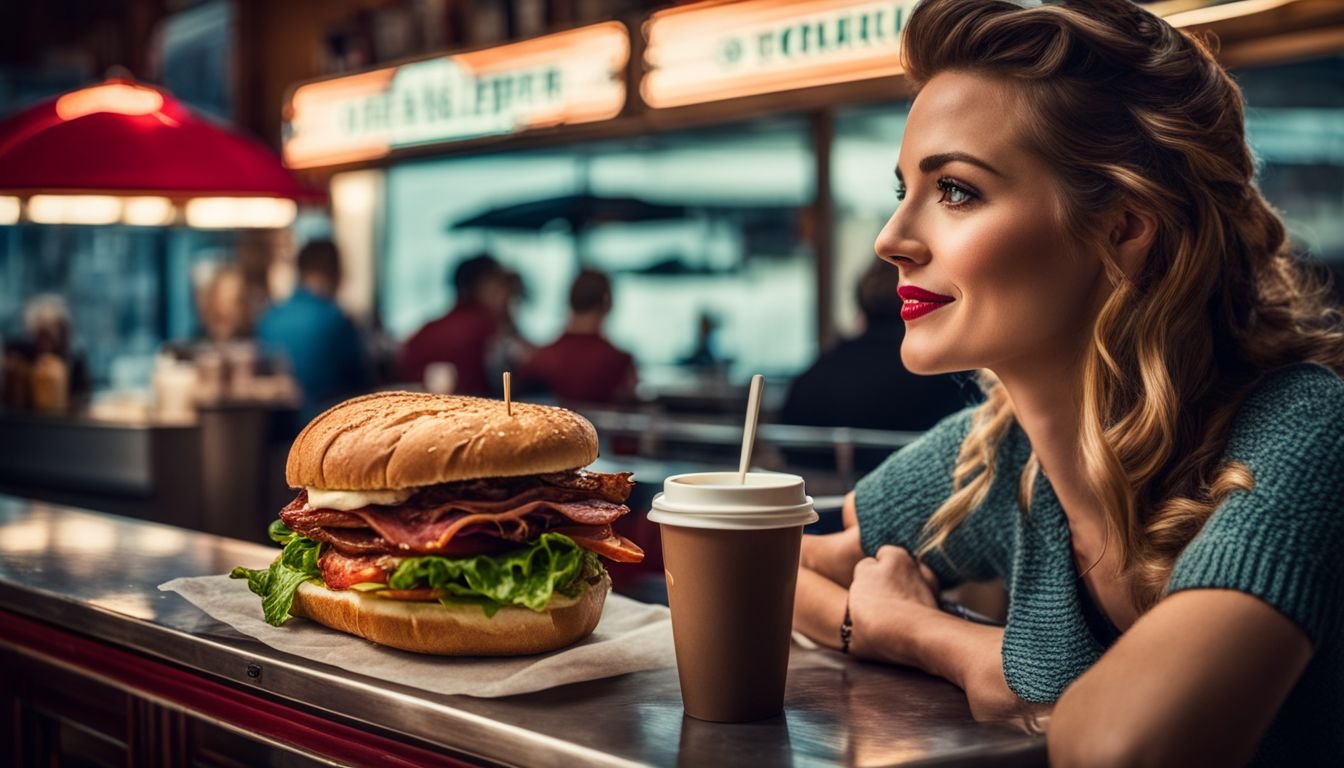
923,361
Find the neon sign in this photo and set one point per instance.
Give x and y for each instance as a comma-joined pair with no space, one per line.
712,51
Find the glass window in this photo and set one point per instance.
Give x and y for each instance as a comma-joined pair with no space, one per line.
1295,124
863,185
128,289
723,235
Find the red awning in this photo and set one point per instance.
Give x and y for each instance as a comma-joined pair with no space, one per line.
126,138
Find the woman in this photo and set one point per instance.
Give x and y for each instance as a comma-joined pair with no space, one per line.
1157,469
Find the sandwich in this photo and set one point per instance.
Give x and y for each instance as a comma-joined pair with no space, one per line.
446,525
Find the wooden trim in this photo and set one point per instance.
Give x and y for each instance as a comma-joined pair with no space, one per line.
823,226
167,689
1268,51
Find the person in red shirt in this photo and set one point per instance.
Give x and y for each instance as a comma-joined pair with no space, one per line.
464,336
582,366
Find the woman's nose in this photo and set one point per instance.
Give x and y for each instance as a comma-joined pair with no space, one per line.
898,245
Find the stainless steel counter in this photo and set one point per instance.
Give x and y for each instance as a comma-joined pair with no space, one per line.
98,575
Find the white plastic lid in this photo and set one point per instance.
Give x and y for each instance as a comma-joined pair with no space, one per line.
718,500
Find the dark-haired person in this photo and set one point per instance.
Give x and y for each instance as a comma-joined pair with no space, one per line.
861,382
310,330
1158,468
464,336
582,366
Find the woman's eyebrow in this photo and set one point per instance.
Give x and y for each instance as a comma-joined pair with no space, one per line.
933,162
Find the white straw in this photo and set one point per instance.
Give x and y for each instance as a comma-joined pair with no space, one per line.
749,431
508,393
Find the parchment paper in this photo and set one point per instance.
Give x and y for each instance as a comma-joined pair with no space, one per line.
631,637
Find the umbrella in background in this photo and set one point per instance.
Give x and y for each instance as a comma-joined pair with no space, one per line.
124,152
581,213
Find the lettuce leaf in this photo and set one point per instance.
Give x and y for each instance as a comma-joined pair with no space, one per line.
527,576
277,584
279,532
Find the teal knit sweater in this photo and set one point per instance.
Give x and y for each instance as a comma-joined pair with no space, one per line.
1282,541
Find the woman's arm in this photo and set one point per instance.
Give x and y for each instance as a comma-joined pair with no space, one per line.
825,569
1195,681
819,608
894,608
834,555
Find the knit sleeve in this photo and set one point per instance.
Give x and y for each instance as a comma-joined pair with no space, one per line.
1281,540
896,499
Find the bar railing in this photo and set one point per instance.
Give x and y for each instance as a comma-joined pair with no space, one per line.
654,430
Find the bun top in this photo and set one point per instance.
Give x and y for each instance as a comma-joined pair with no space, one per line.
394,440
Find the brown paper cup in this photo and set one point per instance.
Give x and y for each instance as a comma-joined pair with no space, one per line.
731,594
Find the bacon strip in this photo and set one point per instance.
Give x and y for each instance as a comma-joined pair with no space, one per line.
432,531
429,532
586,511
605,542
348,542
454,520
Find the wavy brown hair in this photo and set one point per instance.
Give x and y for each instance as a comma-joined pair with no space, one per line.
1128,111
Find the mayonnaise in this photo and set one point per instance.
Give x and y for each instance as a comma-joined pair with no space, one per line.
348,500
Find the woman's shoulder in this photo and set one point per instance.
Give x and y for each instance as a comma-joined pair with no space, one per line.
930,455
1299,385
1296,404
1278,539
936,450
952,428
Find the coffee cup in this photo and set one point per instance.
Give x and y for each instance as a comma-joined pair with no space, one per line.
730,553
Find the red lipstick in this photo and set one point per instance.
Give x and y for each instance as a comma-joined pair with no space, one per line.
919,302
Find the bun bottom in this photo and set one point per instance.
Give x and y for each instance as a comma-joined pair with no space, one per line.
459,630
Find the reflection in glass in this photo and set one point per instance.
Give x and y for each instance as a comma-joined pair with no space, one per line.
738,254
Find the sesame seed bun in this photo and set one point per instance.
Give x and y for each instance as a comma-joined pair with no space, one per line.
394,440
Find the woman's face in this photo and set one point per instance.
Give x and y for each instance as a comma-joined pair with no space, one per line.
989,275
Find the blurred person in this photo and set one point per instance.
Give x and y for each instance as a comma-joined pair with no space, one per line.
223,305
510,349
324,349
861,382
582,366
57,373
705,353
465,335
1157,468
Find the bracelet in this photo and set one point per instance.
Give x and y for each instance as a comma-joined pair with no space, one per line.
846,630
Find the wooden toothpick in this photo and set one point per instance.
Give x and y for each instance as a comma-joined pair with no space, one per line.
508,394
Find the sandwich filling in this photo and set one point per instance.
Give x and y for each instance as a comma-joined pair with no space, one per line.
494,541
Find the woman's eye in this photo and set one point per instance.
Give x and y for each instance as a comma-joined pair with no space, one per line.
900,191
955,193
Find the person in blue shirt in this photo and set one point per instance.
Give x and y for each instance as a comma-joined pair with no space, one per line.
321,344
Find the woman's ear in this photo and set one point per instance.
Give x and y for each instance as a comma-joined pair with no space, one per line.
1132,236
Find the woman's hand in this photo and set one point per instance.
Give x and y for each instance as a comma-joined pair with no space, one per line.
893,606
888,597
